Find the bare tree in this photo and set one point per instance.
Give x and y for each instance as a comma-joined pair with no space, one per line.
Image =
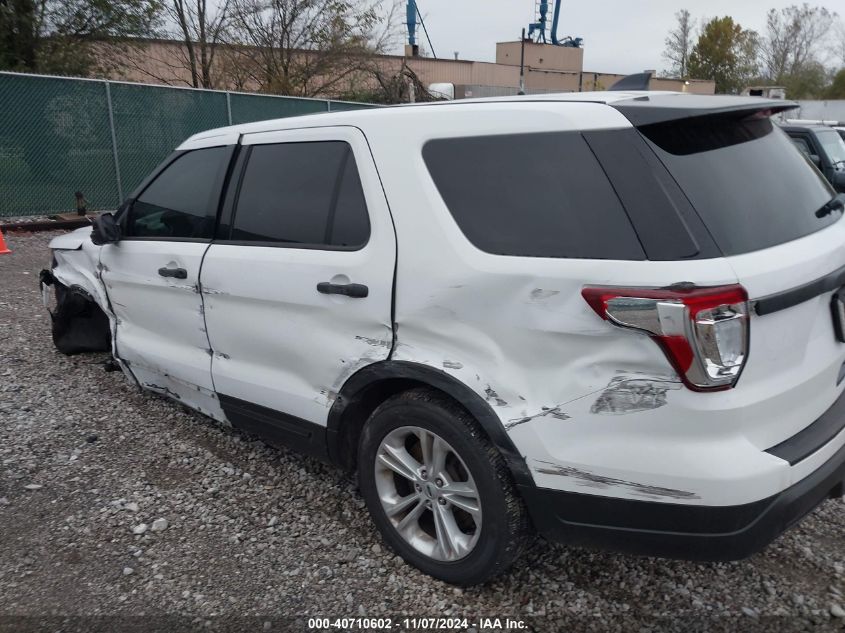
193,34
794,41
679,44
389,80
839,43
182,51
201,29
306,47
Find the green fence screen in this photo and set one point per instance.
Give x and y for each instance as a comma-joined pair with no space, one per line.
59,135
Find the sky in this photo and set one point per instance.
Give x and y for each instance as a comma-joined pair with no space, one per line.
620,36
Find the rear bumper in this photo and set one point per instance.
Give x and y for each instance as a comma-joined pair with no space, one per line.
691,532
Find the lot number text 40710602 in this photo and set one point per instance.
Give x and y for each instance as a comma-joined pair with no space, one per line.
416,624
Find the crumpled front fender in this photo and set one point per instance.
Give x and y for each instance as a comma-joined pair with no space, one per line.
72,241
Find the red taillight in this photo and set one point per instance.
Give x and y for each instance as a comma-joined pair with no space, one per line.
702,331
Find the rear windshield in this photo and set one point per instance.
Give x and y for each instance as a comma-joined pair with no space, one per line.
751,186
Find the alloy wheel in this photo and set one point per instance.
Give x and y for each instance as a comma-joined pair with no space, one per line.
428,493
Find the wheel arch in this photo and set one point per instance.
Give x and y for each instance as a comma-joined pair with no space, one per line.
373,384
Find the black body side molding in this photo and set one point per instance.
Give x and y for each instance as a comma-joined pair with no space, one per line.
276,427
812,438
357,387
800,294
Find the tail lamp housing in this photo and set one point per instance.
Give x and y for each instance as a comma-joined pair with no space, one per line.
702,330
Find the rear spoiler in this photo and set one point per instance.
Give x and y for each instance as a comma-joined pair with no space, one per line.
664,107
638,81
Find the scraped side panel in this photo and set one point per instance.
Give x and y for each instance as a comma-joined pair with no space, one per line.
160,324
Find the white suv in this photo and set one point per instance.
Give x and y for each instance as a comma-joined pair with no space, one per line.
613,316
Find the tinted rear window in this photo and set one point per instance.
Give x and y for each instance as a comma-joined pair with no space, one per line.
541,195
751,186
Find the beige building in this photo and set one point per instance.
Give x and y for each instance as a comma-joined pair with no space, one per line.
548,68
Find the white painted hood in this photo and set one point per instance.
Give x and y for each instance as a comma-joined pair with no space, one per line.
73,240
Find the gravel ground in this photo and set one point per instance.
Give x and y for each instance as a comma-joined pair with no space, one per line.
116,503
22,219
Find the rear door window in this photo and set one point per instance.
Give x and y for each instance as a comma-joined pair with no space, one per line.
744,178
302,194
536,195
181,202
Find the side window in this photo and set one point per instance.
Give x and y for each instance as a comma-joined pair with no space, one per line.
182,201
302,194
535,195
801,144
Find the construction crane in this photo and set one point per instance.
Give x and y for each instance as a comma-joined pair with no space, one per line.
540,32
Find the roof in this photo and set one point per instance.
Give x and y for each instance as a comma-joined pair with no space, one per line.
640,107
807,126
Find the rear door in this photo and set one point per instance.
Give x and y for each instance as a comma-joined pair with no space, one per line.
151,276
298,287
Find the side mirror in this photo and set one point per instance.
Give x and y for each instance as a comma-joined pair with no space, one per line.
816,160
106,230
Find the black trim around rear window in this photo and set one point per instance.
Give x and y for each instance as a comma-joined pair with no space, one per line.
799,294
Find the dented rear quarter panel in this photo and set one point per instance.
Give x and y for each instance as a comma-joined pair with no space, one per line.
585,403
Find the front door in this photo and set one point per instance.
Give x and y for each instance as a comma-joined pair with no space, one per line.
298,290
152,278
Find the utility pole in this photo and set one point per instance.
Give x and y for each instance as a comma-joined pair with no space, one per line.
522,65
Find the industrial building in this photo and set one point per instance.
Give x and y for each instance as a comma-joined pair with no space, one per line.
547,68
539,62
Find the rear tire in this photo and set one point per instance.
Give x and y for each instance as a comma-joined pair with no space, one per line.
439,491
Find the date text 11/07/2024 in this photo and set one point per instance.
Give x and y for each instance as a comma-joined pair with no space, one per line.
417,624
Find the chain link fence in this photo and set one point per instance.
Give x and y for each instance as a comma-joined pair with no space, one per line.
60,135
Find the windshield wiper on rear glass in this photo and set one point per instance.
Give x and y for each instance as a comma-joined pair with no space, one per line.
837,203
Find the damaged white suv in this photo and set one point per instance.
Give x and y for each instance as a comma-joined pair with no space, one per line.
615,318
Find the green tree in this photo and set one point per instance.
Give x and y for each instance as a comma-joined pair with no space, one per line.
810,82
836,90
726,53
17,34
54,36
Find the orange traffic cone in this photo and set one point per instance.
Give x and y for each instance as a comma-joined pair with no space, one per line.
3,248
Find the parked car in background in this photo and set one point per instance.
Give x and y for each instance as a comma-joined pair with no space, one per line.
825,147
616,318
